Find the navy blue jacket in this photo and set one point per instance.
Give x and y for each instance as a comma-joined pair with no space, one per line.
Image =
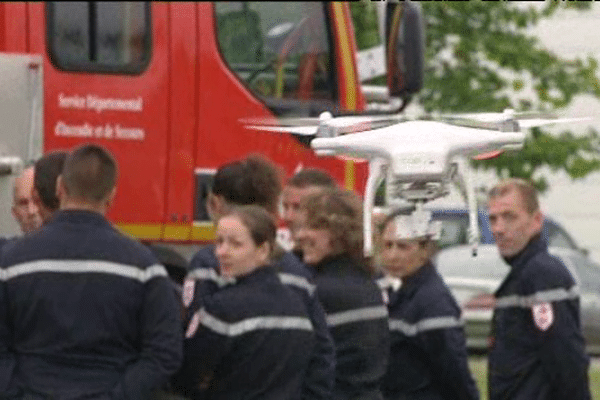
538,350
251,338
358,321
320,377
86,313
428,356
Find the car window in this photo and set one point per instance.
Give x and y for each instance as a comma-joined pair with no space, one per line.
454,229
587,272
453,232
557,237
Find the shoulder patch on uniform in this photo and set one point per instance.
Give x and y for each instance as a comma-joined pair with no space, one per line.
189,286
543,316
193,326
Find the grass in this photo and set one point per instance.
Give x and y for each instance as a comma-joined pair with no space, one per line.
478,365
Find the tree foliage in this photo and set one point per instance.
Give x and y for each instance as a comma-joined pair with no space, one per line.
480,57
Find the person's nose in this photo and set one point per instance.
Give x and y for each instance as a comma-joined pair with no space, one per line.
289,216
221,250
300,232
393,255
497,227
31,207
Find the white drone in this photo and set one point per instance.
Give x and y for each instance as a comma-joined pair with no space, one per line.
417,158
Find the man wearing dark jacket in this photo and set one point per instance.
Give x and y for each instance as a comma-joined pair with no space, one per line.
85,312
538,350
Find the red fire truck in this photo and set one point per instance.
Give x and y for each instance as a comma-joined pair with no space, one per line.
167,86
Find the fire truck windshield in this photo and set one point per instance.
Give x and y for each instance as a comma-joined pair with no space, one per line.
279,50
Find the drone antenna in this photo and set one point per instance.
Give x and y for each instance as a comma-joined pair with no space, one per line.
472,204
377,168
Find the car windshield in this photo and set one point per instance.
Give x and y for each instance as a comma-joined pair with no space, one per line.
460,262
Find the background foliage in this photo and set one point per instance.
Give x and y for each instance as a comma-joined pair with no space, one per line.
481,57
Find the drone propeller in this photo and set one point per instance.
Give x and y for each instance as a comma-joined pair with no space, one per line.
532,123
508,119
295,130
324,126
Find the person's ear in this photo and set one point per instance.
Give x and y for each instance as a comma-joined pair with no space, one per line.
264,252
215,205
538,221
111,198
61,190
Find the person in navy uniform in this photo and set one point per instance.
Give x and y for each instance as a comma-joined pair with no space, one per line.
329,233
251,338
428,356
86,312
255,180
537,350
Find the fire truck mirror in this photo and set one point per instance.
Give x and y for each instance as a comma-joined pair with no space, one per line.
404,48
203,185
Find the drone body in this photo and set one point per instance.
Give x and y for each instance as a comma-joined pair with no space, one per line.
418,150
417,158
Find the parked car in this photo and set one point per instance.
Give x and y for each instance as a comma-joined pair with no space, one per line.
455,225
473,281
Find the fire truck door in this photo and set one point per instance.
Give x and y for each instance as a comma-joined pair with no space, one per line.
21,105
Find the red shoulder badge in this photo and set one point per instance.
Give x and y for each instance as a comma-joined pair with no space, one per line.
543,316
189,285
193,326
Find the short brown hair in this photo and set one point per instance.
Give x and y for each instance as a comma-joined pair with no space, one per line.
312,177
340,212
526,190
90,173
253,180
46,170
259,222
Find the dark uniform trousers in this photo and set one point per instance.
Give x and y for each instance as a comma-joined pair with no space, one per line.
538,350
428,356
85,313
319,380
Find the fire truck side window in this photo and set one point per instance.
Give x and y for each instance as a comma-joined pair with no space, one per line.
280,50
99,36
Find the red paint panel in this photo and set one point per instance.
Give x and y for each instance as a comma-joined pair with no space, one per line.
13,27
142,163
183,119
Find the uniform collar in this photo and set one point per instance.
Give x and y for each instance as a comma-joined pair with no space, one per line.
259,273
535,245
389,282
79,217
411,283
338,262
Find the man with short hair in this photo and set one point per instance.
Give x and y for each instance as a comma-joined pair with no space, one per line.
299,186
256,180
538,350
86,312
47,170
24,209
